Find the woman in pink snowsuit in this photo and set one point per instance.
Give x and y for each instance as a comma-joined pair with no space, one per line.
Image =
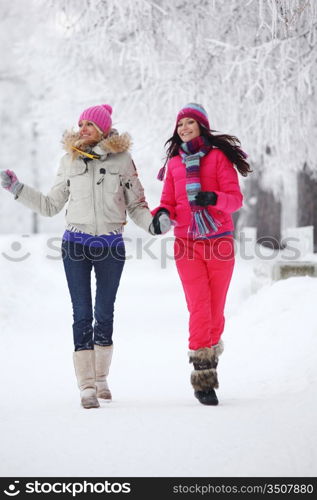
201,191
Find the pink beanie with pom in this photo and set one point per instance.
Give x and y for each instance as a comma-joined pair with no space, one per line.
100,115
195,111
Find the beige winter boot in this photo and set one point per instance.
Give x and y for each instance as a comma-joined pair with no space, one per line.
103,356
84,363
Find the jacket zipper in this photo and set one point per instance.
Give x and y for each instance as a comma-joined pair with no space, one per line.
93,193
94,197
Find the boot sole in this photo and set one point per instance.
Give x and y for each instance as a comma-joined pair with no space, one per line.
108,397
207,402
90,404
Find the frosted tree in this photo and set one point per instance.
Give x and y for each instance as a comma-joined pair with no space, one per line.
251,63
15,99
284,96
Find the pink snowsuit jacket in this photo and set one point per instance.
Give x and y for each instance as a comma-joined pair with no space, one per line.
217,174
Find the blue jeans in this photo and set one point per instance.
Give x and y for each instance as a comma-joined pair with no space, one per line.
108,264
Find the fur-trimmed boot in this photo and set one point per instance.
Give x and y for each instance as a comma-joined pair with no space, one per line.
103,356
204,378
84,364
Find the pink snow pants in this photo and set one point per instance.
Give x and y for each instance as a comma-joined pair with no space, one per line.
205,268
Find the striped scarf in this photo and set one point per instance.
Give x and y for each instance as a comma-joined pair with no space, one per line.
191,152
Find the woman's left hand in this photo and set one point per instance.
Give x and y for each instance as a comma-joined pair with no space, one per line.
205,198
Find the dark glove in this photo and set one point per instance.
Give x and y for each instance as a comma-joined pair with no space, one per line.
161,222
205,198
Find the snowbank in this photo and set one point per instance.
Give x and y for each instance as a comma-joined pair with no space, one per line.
264,425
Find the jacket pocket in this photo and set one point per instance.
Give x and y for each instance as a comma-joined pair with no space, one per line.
79,208
79,181
218,215
79,211
113,198
112,179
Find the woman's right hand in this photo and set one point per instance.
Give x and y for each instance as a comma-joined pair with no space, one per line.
10,182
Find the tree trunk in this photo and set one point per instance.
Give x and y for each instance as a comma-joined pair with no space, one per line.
307,201
268,219
263,211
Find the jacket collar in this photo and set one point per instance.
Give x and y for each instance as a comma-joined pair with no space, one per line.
114,144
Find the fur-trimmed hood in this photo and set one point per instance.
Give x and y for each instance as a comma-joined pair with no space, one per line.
114,143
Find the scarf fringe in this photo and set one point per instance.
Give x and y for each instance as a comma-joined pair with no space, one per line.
203,223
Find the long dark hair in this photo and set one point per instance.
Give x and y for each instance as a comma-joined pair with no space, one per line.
229,145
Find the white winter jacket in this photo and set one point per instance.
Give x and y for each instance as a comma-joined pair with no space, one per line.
99,192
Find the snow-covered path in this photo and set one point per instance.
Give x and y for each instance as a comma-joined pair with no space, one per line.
265,424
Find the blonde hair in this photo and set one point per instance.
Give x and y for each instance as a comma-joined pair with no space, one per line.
98,129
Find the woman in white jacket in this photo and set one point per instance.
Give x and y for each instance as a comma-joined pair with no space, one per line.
98,179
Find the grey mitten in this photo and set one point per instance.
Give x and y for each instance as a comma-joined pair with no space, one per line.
10,182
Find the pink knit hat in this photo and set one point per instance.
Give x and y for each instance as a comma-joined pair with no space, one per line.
195,111
191,110
100,115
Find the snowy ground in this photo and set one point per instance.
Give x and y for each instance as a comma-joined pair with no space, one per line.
265,424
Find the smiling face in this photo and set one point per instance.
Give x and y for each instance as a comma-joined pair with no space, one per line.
88,132
188,129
